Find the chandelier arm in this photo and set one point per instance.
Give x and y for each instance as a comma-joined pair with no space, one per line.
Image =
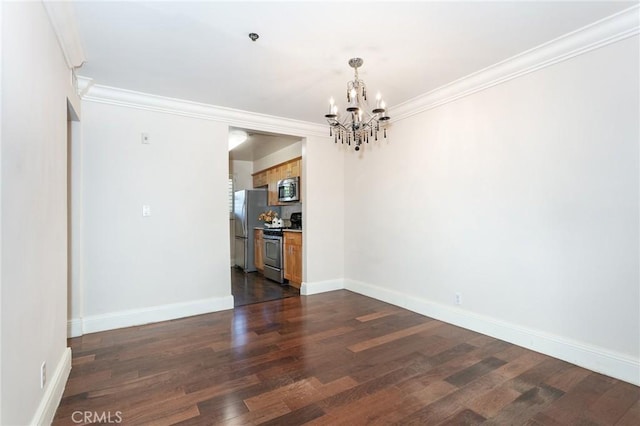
340,126
371,121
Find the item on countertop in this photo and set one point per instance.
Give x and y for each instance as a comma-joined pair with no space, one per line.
268,217
296,220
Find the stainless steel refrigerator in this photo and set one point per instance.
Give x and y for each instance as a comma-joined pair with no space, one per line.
247,205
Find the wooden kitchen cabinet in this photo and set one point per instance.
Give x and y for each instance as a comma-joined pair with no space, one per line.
260,179
257,249
273,178
293,257
291,169
270,177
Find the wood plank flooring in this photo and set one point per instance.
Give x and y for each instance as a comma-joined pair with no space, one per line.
336,358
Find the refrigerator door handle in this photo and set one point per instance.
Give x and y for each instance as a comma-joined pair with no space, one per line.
245,211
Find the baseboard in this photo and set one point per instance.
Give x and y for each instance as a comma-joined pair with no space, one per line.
121,319
74,327
594,358
53,392
308,289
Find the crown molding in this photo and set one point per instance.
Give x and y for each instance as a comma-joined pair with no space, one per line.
63,21
601,33
234,117
83,84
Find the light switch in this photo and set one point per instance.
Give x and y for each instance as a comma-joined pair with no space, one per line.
145,138
146,210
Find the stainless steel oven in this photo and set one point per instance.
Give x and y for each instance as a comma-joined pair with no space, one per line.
273,255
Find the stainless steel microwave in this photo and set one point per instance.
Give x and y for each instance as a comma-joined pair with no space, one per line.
289,189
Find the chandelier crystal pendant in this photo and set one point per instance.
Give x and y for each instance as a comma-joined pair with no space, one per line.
361,122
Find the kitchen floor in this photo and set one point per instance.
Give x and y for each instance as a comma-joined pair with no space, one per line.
253,287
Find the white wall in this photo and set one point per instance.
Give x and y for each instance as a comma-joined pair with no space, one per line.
322,215
241,171
35,88
122,282
523,198
285,154
175,262
74,288
1,136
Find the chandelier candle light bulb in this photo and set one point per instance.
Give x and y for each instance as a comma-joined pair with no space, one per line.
362,122
353,100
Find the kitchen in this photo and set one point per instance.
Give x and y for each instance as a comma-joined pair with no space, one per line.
265,206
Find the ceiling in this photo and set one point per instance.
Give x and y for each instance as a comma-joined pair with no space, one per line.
201,51
260,144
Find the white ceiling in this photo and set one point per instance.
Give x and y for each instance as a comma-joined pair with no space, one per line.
201,51
260,144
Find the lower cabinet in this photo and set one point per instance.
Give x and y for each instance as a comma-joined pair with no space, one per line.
293,257
258,244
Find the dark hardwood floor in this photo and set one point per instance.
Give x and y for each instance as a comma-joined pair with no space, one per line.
253,287
336,358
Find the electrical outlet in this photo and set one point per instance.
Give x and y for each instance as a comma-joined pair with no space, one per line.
43,374
146,210
458,299
145,138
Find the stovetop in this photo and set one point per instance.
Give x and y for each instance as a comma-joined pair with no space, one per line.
278,231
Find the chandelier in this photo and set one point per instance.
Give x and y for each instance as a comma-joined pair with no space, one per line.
361,122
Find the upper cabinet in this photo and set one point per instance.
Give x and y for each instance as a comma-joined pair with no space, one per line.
290,169
270,177
273,176
260,179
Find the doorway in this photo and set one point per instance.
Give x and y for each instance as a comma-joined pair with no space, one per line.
253,287
74,288
257,152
